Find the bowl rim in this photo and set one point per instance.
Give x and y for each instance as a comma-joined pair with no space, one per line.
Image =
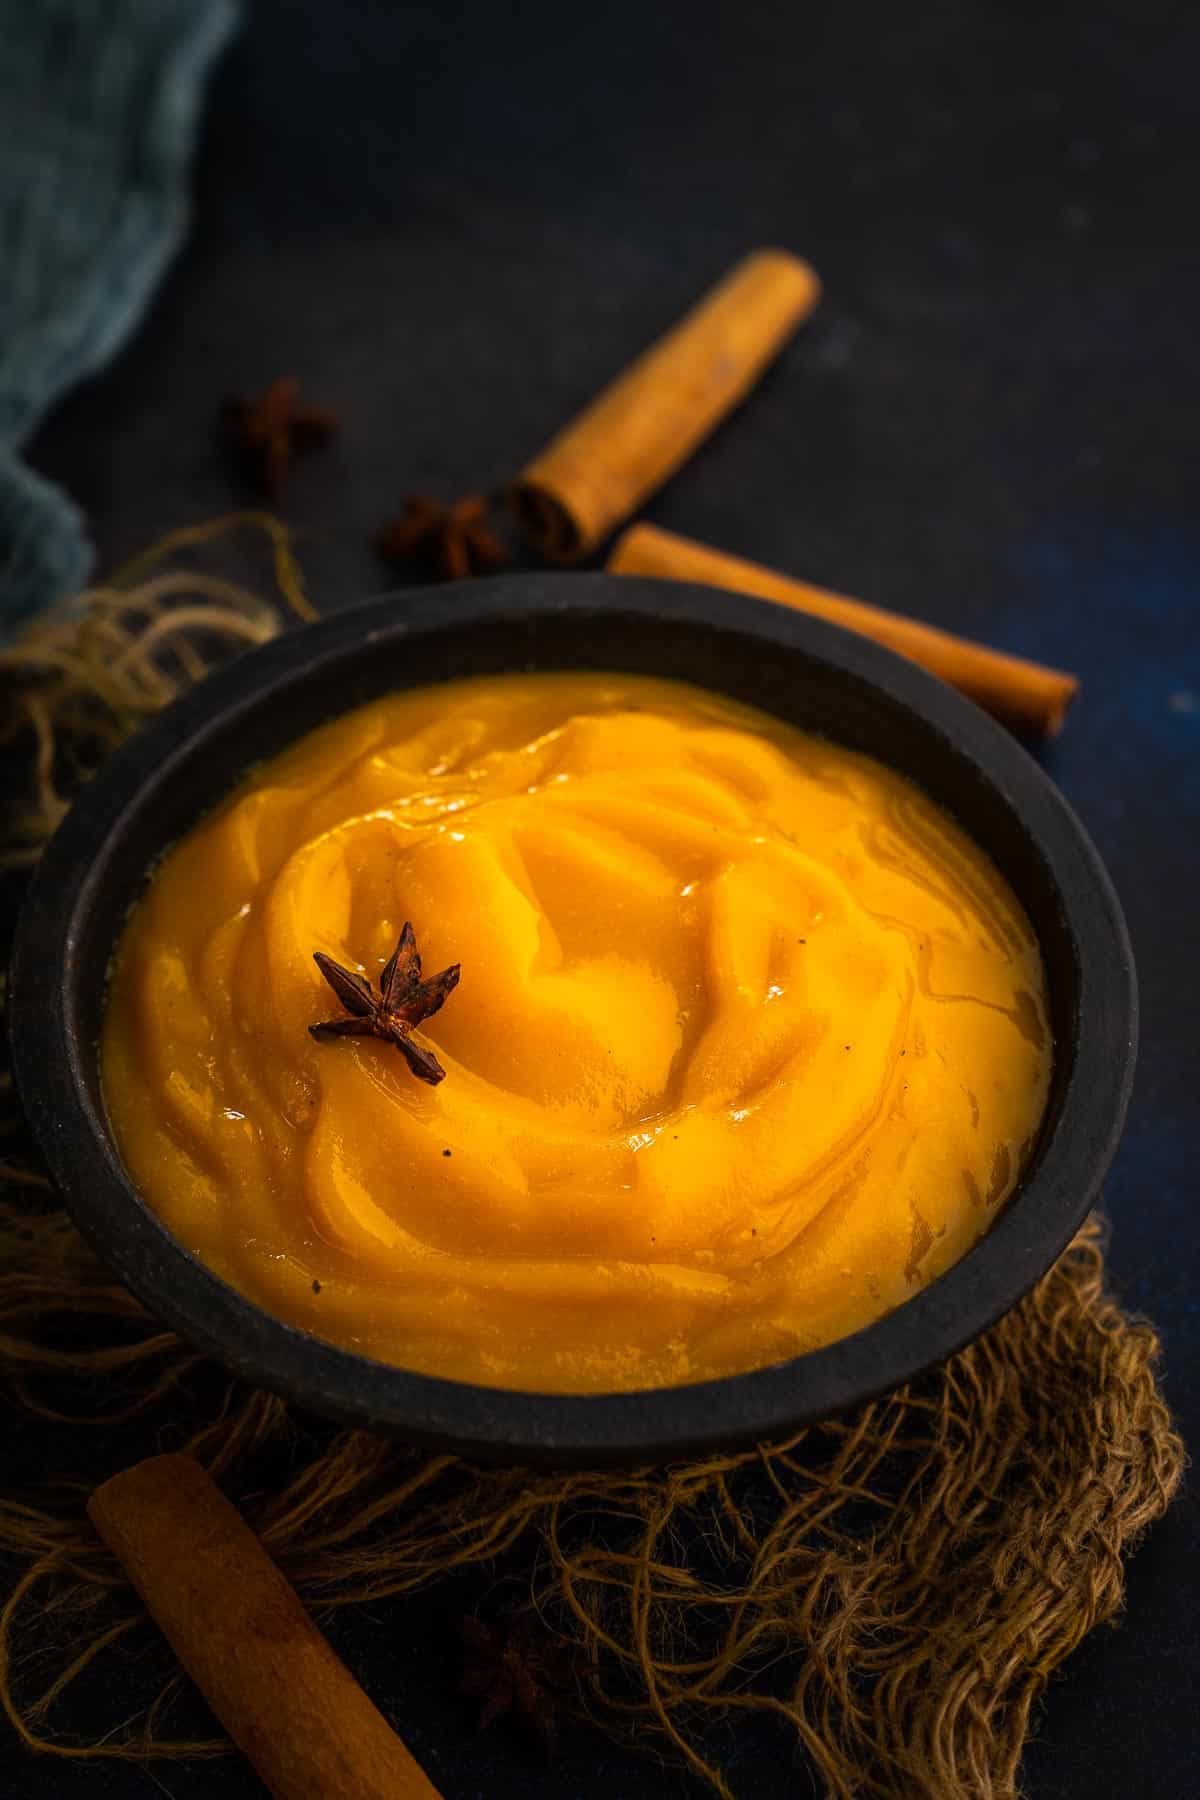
49,1062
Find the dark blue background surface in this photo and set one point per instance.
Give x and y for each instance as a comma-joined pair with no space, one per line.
454,223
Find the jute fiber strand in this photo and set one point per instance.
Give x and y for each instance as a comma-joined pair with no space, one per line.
892,1591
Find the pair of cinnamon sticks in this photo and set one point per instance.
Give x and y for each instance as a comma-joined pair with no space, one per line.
642,428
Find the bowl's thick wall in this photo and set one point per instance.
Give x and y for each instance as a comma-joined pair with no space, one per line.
800,669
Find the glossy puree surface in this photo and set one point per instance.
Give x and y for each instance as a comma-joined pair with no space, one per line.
750,1041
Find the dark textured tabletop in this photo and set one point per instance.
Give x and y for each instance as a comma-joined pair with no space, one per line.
455,222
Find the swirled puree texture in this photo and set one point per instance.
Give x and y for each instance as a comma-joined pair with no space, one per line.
750,1040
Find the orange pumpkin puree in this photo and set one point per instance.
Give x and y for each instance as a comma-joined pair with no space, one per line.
750,1043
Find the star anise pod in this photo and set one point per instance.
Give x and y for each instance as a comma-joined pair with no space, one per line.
273,428
403,1001
514,1668
457,538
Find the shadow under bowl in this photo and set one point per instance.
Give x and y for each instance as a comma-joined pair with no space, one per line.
800,669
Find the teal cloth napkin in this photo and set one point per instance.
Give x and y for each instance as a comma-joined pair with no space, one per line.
99,102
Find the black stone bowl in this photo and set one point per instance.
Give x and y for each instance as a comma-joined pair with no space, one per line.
809,673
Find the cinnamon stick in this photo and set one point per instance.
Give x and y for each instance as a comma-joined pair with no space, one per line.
1032,700
641,428
241,1633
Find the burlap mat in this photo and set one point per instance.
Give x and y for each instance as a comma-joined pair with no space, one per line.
895,1588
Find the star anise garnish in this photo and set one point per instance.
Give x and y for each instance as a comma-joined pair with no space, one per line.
457,538
516,1668
403,1001
273,428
